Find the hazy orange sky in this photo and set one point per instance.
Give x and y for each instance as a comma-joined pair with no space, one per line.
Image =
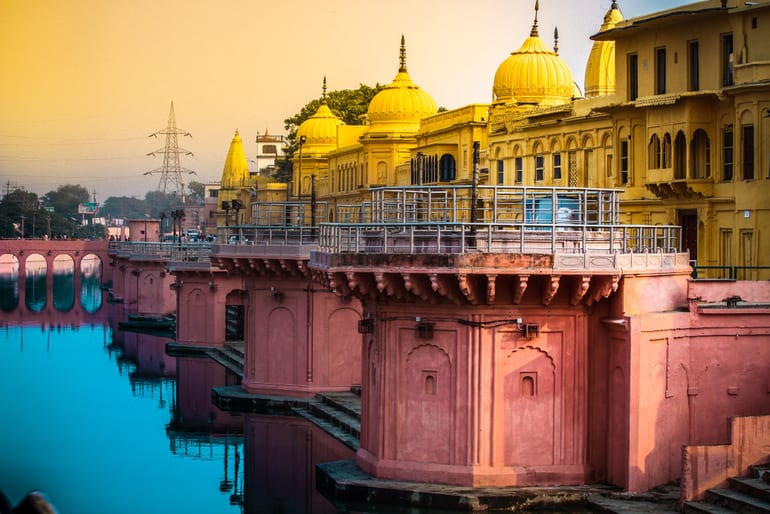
84,82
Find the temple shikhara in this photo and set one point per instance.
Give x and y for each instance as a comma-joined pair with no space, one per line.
565,285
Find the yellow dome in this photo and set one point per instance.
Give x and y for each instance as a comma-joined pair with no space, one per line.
401,102
320,129
534,74
600,69
235,173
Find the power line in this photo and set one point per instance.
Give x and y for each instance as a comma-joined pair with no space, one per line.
171,170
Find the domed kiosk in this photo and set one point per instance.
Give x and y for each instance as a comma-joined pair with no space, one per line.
533,75
401,105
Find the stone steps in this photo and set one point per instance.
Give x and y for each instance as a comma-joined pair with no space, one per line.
339,414
229,356
744,494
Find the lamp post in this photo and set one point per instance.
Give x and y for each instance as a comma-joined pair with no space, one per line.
226,208
420,164
475,181
302,140
312,205
162,223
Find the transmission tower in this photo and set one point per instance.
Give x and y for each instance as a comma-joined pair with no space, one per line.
171,171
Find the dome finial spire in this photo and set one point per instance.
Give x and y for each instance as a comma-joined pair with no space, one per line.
534,32
402,55
556,40
614,5
323,95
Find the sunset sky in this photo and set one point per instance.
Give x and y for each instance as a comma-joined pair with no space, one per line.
84,82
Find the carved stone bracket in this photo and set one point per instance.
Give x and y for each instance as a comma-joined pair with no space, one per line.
605,287
550,288
272,266
440,284
338,283
521,287
581,288
466,288
417,285
491,288
257,266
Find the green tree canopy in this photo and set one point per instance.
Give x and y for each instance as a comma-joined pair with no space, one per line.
65,199
348,104
123,207
195,192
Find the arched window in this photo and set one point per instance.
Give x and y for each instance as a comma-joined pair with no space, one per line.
447,168
665,153
700,155
680,156
653,155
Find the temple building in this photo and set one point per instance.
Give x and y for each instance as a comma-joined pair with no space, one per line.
683,135
234,194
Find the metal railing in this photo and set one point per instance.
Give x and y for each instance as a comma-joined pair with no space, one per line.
494,204
283,235
729,272
442,238
173,252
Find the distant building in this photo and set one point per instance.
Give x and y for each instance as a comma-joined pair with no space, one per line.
270,149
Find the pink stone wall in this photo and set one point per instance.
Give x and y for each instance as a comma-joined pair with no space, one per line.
202,301
689,372
708,466
476,406
718,290
299,341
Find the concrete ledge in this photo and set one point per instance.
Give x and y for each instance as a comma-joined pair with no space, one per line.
346,485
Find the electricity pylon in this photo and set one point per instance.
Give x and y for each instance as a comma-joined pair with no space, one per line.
171,171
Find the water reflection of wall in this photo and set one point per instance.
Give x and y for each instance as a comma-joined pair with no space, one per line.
196,377
281,454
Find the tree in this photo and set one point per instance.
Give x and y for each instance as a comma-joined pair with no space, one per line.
347,104
123,207
65,199
21,205
196,192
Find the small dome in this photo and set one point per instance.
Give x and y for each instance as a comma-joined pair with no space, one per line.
401,101
321,127
534,74
235,173
600,69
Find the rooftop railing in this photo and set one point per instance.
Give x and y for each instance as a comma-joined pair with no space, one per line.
434,219
443,238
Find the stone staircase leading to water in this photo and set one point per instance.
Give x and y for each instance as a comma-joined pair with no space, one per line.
745,494
339,414
230,356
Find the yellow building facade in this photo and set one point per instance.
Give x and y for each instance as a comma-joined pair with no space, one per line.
676,112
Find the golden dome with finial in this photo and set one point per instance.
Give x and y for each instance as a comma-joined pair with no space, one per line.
534,74
401,102
235,173
321,127
600,68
